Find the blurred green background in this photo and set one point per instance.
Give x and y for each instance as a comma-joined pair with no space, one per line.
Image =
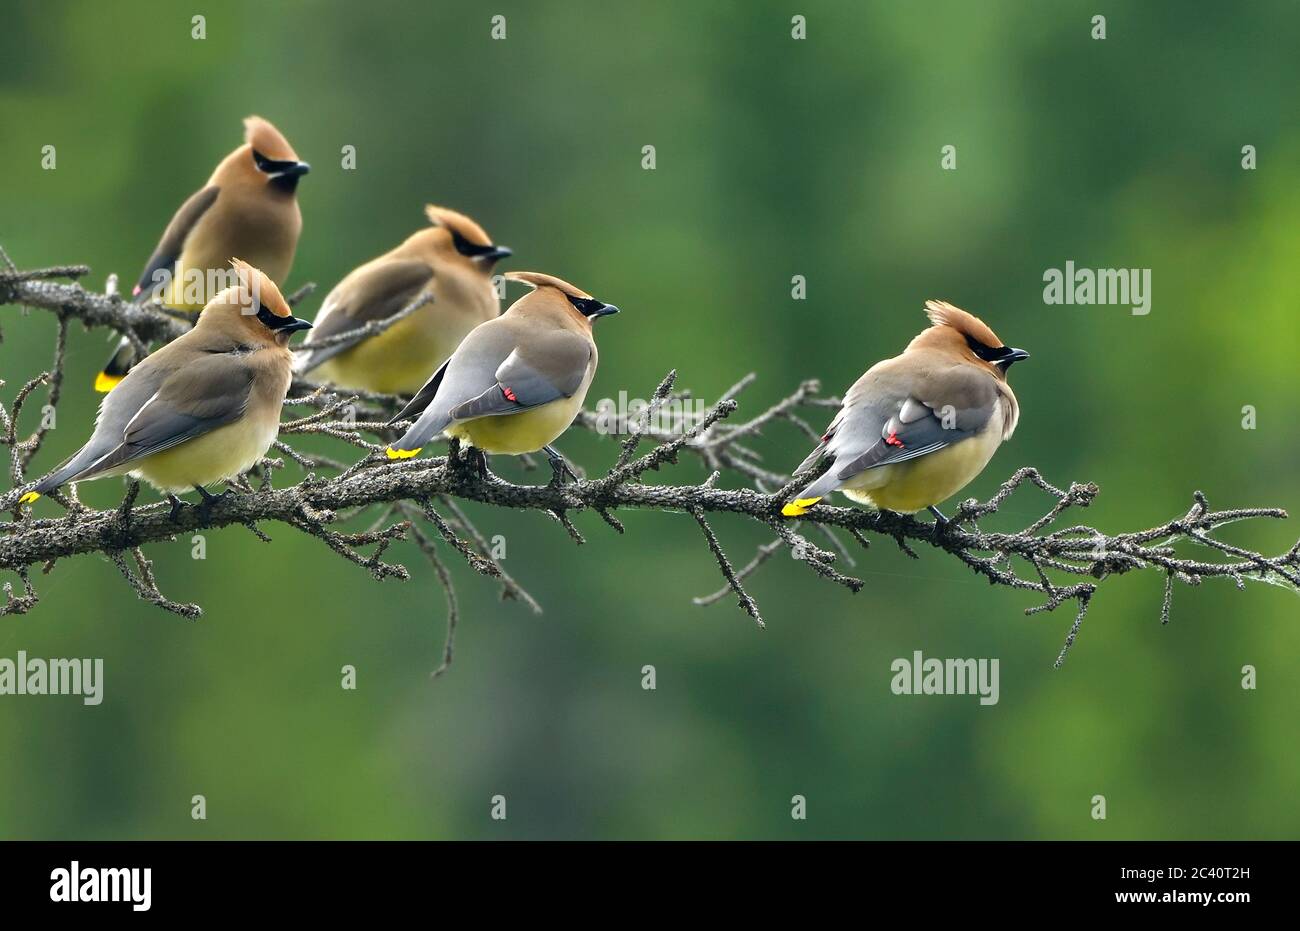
775,157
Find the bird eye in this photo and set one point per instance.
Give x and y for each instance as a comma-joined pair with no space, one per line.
467,248
271,166
987,353
585,305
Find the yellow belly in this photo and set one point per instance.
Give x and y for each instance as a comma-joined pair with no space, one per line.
918,483
514,434
178,296
224,453
398,360
197,280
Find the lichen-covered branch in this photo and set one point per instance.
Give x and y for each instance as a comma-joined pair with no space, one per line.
421,499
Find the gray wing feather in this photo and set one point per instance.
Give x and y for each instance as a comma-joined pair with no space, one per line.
520,385
475,384
424,397
173,239
923,413
192,400
117,408
913,440
376,296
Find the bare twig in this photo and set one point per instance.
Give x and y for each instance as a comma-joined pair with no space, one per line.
1059,566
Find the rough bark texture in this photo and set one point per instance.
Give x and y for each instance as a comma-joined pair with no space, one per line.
418,499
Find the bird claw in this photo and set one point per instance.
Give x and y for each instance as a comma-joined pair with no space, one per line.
177,506
209,499
479,460
560,469
940,523
561,472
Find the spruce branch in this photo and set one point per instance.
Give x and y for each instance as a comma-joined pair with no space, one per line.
422,500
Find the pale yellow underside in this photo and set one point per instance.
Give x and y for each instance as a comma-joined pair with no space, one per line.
192,287
224,453
172,299
400,359
175,296
918,483
514,434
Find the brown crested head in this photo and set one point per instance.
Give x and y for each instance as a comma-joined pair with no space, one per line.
458,235
267,140
254,303
559,292
264,162
955,330
537,280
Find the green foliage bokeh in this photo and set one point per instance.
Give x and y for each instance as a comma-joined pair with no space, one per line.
774,158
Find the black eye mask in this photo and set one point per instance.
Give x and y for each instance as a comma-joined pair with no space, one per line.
590,307
988,353
270,166
274,322
469,249
1001,356
270,320
284,174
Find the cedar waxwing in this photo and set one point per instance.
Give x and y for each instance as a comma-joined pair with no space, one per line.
915,429
453,260
203,408
248,208
515,383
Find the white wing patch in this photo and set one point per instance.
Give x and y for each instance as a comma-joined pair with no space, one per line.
504,366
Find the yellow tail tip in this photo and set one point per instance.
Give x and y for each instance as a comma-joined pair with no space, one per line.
402,453
29,497
106,382
798,506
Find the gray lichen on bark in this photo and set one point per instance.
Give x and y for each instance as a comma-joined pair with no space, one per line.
420,499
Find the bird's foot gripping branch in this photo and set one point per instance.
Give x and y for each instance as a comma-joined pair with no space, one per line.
359,510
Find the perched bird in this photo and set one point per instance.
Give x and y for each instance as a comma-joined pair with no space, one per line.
453,261
515,383
248,208
915,429
201,409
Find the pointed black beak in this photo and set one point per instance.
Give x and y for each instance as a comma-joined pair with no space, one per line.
277,324
604,311
298,169
292,325
1008,357
497,253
